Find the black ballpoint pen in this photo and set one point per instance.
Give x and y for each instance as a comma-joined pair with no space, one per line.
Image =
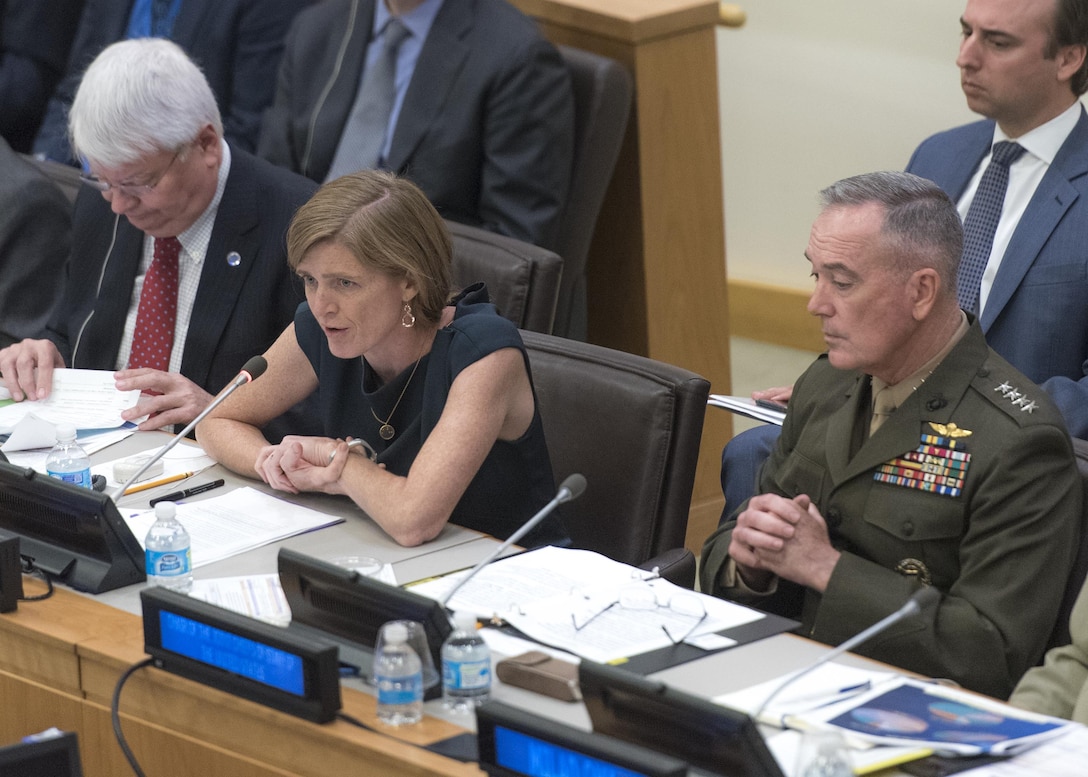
176,495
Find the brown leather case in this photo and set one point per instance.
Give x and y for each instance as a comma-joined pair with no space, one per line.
538,672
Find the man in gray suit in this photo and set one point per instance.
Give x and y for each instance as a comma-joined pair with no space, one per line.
35,235
482,118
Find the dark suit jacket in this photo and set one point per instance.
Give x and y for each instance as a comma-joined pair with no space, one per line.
999,551
35,38
487,125
238,311
1037,312
35,236
237,43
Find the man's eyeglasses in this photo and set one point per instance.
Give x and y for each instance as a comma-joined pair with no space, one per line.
135,190
643,596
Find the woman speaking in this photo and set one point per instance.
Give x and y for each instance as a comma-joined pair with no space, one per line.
432,392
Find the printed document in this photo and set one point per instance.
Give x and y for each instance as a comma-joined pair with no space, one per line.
235,522
88,399
588,604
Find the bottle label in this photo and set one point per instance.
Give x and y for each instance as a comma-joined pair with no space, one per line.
466,675
168,563
401,690
80,477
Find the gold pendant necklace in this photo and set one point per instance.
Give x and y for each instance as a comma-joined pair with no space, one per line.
385,429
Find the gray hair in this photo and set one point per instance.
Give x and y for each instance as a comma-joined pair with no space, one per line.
137,98
921,224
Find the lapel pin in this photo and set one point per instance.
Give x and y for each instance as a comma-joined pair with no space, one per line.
234,258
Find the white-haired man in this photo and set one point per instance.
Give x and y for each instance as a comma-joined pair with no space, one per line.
178,271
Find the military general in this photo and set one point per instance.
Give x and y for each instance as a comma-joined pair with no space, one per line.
912,455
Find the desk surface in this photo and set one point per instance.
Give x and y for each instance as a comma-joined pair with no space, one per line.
77,646
455,548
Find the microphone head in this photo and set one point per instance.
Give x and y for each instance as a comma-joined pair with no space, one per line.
255,367
574,485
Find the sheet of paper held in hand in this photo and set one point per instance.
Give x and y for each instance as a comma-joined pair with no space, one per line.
548,592
235,522
88,399
747,407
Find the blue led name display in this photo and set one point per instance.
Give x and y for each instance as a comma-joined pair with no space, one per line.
535,757
232,653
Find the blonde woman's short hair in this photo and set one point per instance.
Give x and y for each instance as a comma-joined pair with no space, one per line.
388,225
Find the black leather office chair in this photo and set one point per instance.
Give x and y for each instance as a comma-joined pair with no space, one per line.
1060,634
602,103
522,279
632,427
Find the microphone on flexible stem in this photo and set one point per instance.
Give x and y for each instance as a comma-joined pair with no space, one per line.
251,370
569,489
914,605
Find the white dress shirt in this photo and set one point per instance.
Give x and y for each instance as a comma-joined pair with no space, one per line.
1041,145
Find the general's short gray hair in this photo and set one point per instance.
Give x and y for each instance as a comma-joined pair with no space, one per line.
921,224
140,97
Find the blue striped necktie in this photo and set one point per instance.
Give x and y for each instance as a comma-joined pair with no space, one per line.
981,223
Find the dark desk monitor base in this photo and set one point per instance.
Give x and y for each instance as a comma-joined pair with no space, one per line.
715,739
49,757
74,534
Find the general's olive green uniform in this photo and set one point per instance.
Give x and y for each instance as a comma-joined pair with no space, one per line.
990,518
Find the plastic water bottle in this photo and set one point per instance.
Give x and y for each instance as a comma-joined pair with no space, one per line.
466,666
167,556
398,674
68,461
823,753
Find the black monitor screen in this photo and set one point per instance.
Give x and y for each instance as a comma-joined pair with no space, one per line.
713,738
514,742
74,534
49,757
240,655
352,606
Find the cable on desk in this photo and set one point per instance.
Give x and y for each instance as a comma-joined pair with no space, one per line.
30,568
115,714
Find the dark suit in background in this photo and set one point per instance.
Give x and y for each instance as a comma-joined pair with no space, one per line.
1037,313
35,37
237,43
238,311
35,236
487,125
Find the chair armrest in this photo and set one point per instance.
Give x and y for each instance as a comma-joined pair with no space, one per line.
676,565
